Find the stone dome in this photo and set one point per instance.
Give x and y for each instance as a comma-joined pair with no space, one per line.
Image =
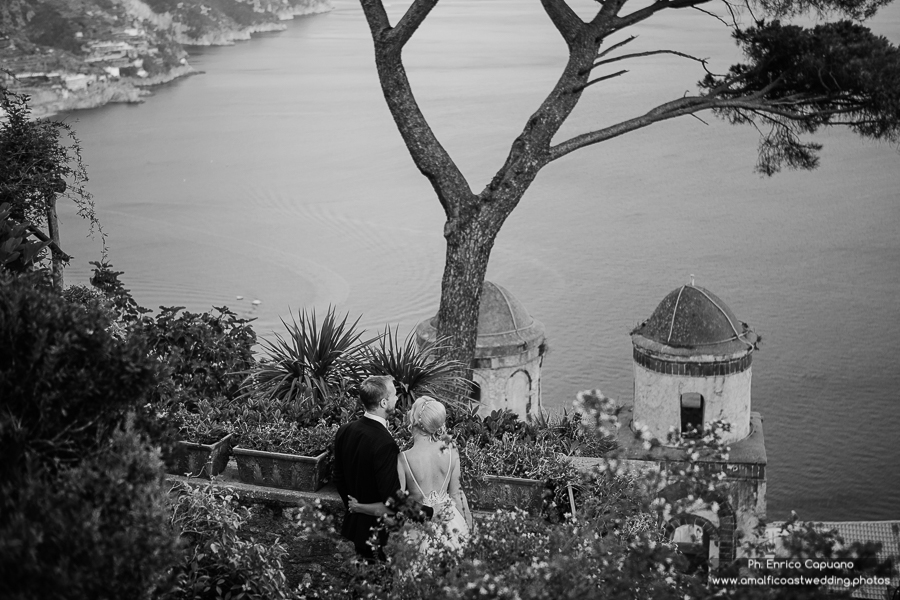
692,320
504,325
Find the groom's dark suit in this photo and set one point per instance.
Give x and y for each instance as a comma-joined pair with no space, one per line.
365,467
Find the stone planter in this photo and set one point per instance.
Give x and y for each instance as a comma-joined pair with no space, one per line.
199,460
285,471
506,493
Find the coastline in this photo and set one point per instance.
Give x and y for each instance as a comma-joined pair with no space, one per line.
128,61
48,102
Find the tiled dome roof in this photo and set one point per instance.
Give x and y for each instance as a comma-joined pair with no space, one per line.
695,321
504,325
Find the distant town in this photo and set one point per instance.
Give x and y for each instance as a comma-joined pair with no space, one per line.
68,54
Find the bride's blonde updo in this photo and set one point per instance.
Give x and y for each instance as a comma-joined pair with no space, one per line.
429,417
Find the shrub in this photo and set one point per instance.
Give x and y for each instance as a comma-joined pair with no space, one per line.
96,530
66,382
205,354
106,281
219,563
81,503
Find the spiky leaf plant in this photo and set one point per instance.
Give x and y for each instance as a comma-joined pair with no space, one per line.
416,371
314,363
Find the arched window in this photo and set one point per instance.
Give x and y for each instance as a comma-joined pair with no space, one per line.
474,392
691,414
518,393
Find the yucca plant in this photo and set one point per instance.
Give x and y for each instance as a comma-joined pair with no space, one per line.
416,371
314,363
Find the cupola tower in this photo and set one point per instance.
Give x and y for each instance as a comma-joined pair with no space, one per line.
508,353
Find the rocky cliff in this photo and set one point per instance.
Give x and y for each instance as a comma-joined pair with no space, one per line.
69,54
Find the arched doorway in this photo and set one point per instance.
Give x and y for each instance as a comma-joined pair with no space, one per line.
697,539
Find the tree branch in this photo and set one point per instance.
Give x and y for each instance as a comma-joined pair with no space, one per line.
648,11
670,110
686,106
604,78
429,156
715,16
410,21
54,247
376,17
617,45
564,19
649,53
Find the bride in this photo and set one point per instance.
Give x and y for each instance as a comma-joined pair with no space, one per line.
429,471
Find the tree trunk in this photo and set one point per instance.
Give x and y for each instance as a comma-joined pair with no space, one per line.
469,247
56,261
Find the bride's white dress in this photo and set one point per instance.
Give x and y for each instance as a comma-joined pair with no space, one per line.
452,528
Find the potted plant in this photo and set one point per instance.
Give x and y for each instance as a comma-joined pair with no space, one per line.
512,473
204,442
278,453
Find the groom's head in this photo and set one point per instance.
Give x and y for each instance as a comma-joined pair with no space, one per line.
378,393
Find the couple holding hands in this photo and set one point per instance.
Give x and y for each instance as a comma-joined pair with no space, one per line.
369,468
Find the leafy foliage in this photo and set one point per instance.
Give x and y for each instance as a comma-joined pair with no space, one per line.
204,353
833,73
472,428
317,361
107,282
614,546
95,530
220,563
66,382
80,488
281,435
509,457
206,423
17,252
416,371
37,165
333,410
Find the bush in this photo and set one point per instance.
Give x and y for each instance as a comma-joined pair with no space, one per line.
205,354
92,531
81,502
218,563
66,382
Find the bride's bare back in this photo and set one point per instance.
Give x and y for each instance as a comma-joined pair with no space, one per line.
424,464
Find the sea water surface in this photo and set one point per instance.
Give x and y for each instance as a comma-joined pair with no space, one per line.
279,176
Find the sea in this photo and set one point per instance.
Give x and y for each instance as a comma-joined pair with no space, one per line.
276,181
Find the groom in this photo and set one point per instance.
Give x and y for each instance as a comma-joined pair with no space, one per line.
365,462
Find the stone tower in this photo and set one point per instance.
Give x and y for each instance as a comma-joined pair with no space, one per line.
692,366
508,353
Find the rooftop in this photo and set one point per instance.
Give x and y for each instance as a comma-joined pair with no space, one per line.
693,319
504,325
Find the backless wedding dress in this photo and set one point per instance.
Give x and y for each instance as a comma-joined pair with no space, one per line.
450,523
